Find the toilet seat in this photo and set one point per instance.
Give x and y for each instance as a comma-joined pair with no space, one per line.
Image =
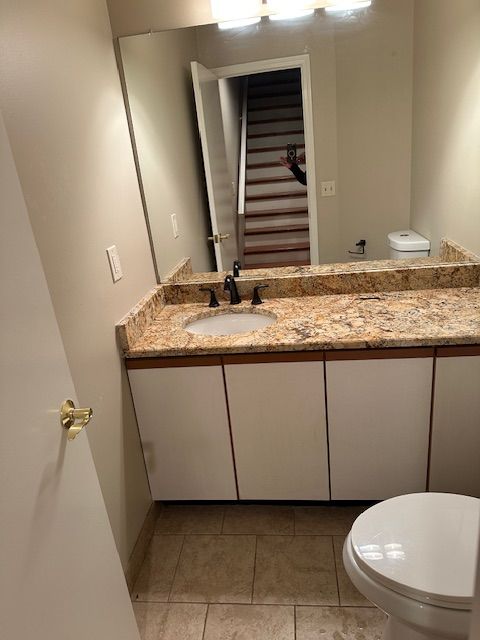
422,546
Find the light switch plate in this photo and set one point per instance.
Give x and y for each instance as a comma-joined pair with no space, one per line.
114,260
328,188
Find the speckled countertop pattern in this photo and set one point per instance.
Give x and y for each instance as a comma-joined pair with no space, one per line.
450,252
355,321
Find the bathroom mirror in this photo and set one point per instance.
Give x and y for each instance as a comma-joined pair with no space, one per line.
347,90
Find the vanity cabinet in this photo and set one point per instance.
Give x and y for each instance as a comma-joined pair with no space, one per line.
455,449
279,431
379,422
340,425
183,422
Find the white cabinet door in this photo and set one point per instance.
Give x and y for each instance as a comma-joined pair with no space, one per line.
277,413
183,422
378,419
455,453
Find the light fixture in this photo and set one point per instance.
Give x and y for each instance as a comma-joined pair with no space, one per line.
291,15
230,10
236,24
290,10
348,5
289,6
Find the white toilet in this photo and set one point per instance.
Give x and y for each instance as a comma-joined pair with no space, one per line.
407,244
415,558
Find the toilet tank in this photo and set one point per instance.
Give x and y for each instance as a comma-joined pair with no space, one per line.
408,244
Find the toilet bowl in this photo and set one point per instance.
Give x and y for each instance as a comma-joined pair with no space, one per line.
414,557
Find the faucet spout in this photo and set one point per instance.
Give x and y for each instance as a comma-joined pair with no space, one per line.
231,286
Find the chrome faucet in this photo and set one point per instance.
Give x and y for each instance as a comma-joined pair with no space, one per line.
231,286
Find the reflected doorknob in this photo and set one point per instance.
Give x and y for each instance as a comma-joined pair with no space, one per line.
74,419
218,237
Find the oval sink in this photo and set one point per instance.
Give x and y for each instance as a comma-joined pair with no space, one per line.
228,324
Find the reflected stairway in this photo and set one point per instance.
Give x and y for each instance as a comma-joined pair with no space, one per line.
276,211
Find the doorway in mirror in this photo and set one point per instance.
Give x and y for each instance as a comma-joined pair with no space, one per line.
252,136
276,229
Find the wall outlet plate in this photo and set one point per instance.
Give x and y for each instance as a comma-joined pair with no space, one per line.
328,188
114,260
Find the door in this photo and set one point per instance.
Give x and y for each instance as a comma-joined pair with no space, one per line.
60,576
187,446
277,413
219,185
378,420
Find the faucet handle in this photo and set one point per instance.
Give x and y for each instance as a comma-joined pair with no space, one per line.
227,282
237,265
213,298
256,297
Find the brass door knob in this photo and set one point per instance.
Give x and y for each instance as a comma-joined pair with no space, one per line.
74,420
218,237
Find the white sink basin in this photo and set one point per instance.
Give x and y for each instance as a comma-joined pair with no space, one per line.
228,324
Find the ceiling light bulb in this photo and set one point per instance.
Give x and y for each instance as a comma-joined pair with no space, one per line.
228,10
236,24
348,5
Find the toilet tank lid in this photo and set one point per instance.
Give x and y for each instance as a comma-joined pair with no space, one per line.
408,240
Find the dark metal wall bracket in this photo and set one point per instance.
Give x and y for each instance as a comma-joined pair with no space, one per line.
361,244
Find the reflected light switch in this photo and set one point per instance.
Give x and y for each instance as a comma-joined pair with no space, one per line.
114,260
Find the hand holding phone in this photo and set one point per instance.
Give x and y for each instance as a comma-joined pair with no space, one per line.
292,153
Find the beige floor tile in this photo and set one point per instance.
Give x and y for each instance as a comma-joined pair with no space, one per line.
158,621
190,519
158,569
349,595
215,569
326,521
295,570
339,623
249,622
259,519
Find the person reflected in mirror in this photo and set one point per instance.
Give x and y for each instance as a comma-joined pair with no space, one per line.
300,175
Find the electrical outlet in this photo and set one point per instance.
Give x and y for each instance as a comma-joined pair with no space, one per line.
114,260
173,218
328,188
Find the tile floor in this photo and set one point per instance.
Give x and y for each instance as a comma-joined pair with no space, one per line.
251,573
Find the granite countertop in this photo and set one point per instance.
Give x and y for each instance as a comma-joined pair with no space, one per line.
412,318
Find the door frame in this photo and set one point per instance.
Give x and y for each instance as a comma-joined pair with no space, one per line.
301,62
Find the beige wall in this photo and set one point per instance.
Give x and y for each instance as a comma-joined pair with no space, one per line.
140,16
374,122
160,94
362,96
446,124
63,109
